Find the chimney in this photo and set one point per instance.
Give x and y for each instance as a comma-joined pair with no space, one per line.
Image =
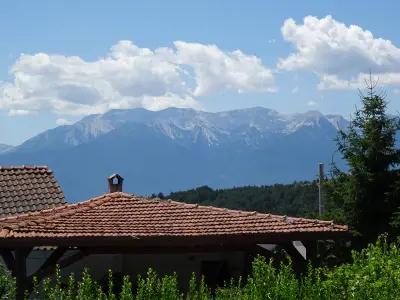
115,183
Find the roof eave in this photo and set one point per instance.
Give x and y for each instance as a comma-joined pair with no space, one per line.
166,241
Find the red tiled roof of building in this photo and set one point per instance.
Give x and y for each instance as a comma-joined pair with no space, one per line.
125,215
26,189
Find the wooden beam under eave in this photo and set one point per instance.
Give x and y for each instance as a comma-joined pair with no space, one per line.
164,250
165,241
299,263
49,266
53,258
20,271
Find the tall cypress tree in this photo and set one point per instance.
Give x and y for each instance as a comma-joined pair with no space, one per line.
366,193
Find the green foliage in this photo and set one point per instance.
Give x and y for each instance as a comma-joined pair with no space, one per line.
7,284
153,287
148,287
70,293
232,290
88,289
296,199
126,290
367,193
374,273
268,282
198,292
311,286
169,288
110,293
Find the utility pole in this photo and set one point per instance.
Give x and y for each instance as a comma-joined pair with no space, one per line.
320,186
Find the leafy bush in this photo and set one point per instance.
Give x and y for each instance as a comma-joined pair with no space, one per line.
153,288
374,273
7,284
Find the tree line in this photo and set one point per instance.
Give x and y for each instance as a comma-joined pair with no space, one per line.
295,199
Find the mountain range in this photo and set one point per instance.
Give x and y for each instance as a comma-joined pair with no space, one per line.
175,149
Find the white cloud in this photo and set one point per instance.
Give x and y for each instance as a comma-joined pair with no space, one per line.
128,77
311,103
332,82
216,70
62,121
340,55
18,112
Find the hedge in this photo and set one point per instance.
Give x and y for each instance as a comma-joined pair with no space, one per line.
374,273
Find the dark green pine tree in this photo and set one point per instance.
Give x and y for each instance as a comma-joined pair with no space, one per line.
366,193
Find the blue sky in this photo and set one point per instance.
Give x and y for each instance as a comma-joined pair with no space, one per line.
61,60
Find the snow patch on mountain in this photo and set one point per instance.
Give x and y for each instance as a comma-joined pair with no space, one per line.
5,148
252,126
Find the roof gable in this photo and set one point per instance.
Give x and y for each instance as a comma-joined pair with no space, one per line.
26,189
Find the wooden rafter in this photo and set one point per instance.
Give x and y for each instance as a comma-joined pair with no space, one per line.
51,261
298,261
49,266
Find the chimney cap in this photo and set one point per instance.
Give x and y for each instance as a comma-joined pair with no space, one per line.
115,183
116,175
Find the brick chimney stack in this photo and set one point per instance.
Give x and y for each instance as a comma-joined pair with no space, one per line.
115,183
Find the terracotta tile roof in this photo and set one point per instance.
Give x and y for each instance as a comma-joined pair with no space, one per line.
24,189
125,215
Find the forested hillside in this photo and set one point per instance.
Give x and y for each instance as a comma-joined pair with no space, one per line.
296,199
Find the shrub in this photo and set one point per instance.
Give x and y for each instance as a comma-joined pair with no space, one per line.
7,284
126,290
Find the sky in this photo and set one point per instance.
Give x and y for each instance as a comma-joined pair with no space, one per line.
63,60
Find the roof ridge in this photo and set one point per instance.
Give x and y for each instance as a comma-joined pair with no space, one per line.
235,211
114,194
23,167
312,220
239,211
34,213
